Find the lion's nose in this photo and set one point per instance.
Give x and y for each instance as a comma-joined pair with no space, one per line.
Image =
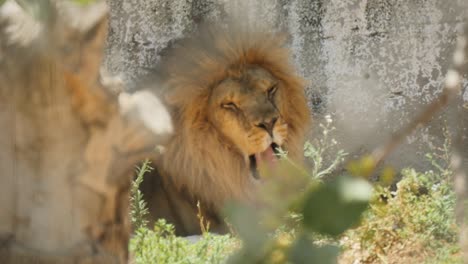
268,125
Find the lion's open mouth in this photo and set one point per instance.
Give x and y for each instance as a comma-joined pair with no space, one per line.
268,157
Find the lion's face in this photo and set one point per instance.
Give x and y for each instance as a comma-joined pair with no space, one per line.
244,109
234,98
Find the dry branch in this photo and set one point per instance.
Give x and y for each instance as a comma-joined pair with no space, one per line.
459,163
450,91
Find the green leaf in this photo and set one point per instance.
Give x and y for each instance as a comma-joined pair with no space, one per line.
246,223
84,2
39,9
138,206
334,207
304,251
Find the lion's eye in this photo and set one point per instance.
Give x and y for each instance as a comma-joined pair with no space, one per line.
230,106
272,91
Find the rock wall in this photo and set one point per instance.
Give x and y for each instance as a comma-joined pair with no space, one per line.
371,64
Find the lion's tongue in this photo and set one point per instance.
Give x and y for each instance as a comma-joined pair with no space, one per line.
267,158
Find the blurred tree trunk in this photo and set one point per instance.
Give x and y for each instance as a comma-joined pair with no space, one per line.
66,153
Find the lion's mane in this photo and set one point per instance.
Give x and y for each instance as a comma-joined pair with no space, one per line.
197,160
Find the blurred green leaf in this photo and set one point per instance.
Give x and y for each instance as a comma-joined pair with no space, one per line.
304,251
363,167
84,2
354,189
2,2
246,223
39,9
334,207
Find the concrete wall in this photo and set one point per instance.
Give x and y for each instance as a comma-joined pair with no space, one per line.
372,64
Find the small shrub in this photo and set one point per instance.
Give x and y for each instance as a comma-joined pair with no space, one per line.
138,208
161,245
414,224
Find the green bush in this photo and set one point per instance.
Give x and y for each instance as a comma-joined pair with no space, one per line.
413,224
308,220
161,245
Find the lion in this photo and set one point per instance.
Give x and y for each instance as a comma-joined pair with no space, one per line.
234,99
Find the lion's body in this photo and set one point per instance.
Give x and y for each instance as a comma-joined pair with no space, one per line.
232,95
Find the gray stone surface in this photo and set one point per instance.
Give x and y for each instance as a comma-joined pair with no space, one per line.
372,64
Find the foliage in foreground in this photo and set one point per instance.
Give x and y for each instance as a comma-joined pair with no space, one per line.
412,224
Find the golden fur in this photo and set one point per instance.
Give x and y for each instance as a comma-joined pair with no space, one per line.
207,158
